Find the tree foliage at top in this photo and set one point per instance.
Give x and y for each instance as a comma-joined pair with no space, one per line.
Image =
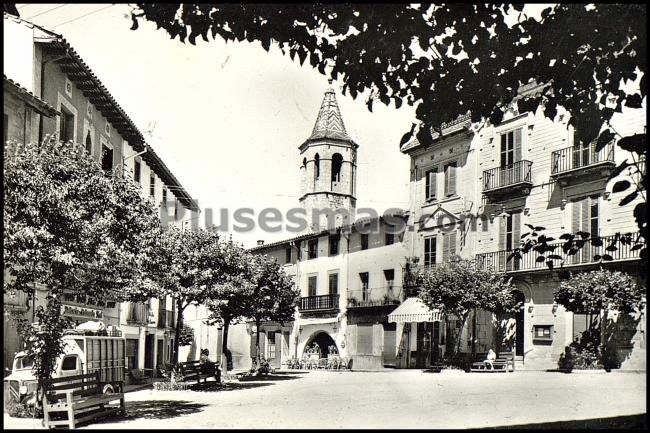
451,60
600,289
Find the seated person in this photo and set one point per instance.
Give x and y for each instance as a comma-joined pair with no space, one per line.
490,358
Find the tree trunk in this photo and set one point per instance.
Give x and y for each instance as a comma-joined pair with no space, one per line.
459,334
257,342
179,322
474,334
224,343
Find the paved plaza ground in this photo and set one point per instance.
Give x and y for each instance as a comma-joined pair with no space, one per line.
391,399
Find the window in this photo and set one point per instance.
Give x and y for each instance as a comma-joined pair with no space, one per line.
450,179
334,284
89,144
334,244
337,163
430,251
69,363
581,152
448,246
131,352
164,197
271,340
311,285
299,249
585,216
136,173
510,147
287,255
316,167
430,193
66,125
365,278
312,247
176,209
389,275
390,238
542,332
510,231
364,241
152,185
107,158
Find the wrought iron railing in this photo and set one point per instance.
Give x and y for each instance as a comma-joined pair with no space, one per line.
375,296
500,177
571,158
138,313
320,302
593,251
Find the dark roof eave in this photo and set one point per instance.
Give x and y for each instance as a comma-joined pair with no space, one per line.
29,98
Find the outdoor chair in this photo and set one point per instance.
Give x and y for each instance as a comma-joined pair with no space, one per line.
322,363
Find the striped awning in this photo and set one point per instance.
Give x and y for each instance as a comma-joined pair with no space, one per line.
414,310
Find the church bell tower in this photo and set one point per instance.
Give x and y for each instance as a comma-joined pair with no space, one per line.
328,169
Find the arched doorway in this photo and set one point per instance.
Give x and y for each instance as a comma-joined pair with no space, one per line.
519,323
323,341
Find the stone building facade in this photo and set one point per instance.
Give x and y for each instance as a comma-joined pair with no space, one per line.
527,171
83,110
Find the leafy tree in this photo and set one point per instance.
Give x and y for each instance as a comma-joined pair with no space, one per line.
273,295
187,335
187,266
460,287
451,60
601,291
230,300
70,228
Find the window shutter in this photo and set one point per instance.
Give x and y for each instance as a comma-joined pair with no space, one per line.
517,145
516,229
575,216
502,233
431,183
584,215
451,175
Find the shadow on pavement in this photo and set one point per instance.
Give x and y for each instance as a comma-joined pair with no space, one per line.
617,422
270,377
158,409
230,386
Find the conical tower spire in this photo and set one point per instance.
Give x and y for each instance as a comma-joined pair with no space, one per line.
329,123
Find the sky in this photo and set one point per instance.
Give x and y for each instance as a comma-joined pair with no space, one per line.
227,119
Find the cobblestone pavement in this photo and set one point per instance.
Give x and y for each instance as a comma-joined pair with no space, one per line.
392,399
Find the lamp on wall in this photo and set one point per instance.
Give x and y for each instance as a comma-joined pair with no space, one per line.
531,306
527,211
554,309
563,203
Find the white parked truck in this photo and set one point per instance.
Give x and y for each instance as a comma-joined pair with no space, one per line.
82,354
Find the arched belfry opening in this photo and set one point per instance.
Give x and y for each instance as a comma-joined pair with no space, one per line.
316,167
337,164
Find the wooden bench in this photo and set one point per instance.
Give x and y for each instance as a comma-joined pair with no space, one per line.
81,398
194,370
503,363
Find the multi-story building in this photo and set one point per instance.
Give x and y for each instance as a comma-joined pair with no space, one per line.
65,98
349,276
478,188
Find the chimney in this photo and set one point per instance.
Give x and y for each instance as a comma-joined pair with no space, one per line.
260,242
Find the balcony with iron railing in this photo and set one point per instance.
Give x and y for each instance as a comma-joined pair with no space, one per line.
578,164
138,314
606,248
318,303
375,296
512,179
